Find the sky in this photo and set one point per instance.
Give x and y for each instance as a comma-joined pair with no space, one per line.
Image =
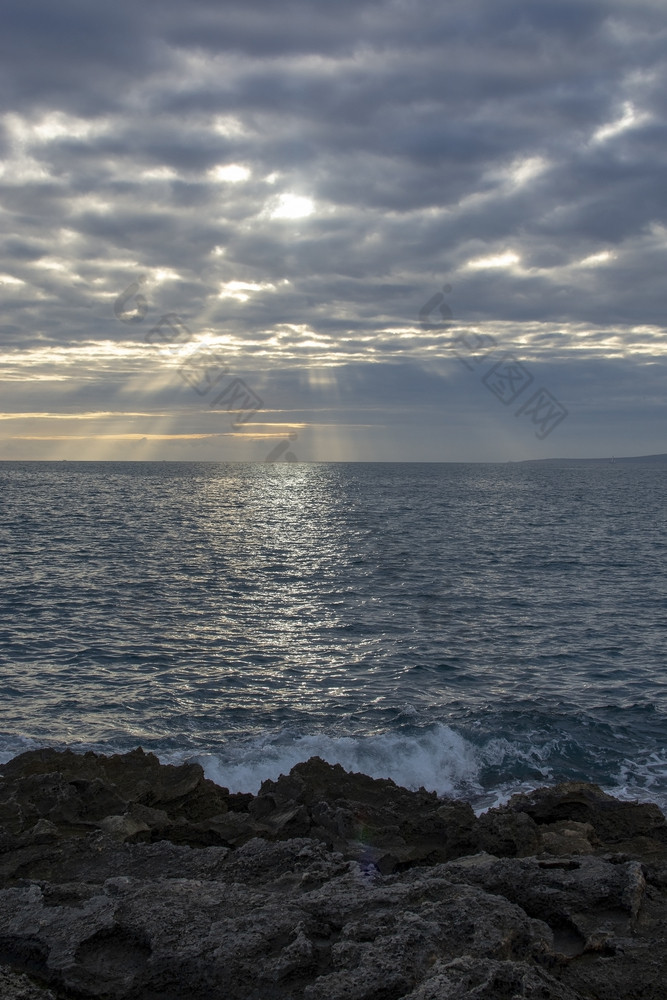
333,231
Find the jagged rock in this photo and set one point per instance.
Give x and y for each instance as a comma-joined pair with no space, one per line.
293,921
78,792
613,821
567,837
588,902
370,819
123,827
313,926
507,834
116,890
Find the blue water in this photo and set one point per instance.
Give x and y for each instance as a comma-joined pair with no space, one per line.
476,629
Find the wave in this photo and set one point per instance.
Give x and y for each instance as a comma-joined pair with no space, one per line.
486,771
440,760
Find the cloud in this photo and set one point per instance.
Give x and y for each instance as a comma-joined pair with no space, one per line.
295,181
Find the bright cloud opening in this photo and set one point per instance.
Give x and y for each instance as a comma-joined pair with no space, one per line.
522,170
628,119
164,274
500,260
229,125
293,206
596,259
159,174
240,289
54,125
230,172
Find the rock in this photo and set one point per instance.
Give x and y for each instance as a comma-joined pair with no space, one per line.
586,902
291,920
507,833
77,793
312,928
66,805
465,979
613,822
123,827
19,987
567,837
364,818
43,832
327,885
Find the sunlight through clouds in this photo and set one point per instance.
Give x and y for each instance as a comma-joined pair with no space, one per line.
630,118
53,125
232,172
595,259
292,206
295,198
241,290
523,170
506,259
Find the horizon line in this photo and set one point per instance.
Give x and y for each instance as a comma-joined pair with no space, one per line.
611,459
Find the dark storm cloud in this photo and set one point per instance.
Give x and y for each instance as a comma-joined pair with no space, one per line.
515,150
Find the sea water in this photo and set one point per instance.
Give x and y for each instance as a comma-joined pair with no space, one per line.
474,629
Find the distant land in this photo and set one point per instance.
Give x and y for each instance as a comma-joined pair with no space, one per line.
601,461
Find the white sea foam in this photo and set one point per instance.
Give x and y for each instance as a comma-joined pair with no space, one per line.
644,779
438,759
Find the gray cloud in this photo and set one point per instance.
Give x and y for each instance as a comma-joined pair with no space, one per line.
516,151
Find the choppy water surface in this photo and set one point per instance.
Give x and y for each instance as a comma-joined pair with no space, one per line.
472,628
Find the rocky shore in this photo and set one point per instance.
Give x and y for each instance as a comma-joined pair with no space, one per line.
125,879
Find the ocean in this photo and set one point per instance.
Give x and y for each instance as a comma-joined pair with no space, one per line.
478,629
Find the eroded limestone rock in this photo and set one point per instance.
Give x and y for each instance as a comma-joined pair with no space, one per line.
123,879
